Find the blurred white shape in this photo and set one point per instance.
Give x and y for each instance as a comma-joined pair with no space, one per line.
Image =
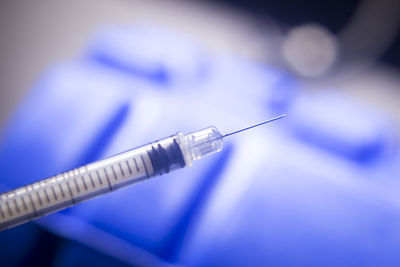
310,50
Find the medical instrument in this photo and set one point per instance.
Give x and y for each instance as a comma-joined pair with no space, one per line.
95,179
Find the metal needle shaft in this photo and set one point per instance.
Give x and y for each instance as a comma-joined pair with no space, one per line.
256,125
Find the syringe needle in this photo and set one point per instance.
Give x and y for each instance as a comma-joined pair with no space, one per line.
135,165
255,125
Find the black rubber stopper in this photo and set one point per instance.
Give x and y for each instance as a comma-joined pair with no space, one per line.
163,159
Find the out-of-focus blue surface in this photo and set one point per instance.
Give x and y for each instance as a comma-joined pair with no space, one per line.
318,189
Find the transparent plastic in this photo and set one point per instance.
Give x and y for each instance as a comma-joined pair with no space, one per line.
95,179
89,181
199,144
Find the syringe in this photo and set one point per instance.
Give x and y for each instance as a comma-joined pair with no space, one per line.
95,179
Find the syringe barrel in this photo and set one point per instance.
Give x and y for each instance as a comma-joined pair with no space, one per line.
95,179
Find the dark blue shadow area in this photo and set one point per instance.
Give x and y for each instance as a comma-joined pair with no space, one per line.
364,154
189,218
30,245
75,254
159,75
105,136
24,246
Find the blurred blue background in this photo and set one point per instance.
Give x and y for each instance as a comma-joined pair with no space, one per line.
82,80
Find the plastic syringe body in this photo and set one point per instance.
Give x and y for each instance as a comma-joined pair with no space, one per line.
95,179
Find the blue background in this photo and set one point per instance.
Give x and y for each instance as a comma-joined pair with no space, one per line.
318,188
